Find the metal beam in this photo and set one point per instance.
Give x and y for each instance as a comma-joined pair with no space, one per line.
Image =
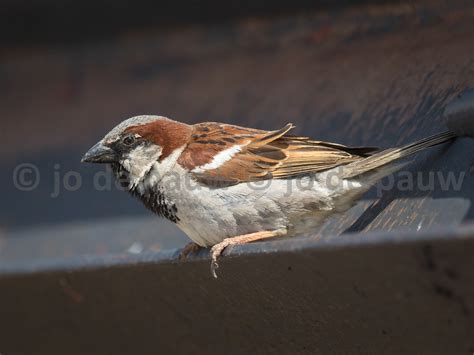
377,293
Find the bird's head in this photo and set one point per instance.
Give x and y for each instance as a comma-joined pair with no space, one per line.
139,144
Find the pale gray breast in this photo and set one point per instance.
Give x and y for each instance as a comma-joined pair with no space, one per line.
209,215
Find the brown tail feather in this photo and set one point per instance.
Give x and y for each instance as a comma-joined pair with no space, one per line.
389,155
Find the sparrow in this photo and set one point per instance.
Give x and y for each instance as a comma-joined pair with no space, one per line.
225,185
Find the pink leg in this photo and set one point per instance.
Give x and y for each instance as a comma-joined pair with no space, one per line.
217,249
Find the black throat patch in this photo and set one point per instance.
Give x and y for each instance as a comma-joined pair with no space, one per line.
153,199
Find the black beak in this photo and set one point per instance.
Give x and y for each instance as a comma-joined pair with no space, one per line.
99,154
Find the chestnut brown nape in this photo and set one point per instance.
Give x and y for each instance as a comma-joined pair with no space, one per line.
165,133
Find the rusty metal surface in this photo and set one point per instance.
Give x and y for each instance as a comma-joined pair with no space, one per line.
376,293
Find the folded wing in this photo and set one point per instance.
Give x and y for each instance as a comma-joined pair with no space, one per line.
226,154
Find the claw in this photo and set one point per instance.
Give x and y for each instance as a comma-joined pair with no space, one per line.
214,267
216,251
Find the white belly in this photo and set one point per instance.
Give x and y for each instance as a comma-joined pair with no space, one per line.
209,215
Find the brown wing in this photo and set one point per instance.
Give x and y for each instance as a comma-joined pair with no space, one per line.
251,155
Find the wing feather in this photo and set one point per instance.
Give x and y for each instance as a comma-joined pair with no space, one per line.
260,154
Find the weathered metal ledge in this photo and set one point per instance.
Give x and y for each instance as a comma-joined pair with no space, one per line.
458,234
376,293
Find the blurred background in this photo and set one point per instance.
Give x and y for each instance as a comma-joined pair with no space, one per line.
367,72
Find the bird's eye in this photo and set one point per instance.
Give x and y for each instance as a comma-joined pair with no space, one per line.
128,140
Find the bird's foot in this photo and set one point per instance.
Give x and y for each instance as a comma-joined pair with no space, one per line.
217,249
189,248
